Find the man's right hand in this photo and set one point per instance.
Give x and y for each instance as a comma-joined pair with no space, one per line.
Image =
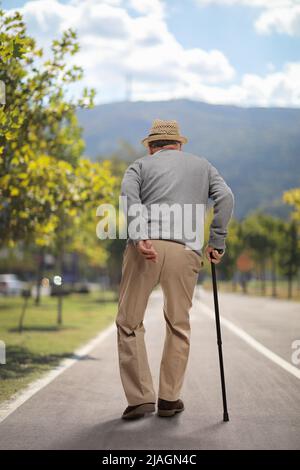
146,248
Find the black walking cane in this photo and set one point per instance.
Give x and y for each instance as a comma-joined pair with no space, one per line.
219,337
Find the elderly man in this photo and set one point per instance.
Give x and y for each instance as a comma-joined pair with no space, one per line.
158,253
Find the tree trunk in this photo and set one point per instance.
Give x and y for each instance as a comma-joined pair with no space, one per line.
244,283
263,278
59,308
274,277
60,288
39,276
290,286
292,269
23,312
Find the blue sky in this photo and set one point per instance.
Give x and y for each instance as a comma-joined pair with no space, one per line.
244,52
231,30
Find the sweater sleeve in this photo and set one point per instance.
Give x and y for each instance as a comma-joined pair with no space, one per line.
223,200
135,211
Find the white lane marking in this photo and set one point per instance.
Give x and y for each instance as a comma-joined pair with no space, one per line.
9,406
252,342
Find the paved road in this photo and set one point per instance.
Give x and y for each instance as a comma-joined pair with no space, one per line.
80,409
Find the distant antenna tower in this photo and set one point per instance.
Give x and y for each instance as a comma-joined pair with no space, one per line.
128,96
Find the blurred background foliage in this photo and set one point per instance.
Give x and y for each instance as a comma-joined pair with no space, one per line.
50,188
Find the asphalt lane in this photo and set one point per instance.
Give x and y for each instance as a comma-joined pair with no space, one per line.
81,408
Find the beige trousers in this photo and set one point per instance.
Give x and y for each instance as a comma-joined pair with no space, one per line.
177,272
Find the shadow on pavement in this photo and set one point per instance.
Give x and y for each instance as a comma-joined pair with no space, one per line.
151,432
21,362
49,328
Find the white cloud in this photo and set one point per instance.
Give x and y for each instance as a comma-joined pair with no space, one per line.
148,7
274,89
254,3
280,16
284,20
279,88
125,37
130,38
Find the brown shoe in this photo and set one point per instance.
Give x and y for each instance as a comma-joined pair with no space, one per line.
138,411
169,408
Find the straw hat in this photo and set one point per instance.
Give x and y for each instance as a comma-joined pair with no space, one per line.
164,130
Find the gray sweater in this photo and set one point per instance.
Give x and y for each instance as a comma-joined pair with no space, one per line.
173,179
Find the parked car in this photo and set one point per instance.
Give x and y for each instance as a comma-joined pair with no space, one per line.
81,288
10,284
64,289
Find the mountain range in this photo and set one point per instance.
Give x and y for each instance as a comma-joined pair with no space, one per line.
257,150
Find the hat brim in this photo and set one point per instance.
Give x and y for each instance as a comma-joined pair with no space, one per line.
153,138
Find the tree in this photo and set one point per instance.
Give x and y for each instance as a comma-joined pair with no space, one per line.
273,228
257,240
291,264
81,189
290,254
37,122
292,197
234,246
47,188
266,238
